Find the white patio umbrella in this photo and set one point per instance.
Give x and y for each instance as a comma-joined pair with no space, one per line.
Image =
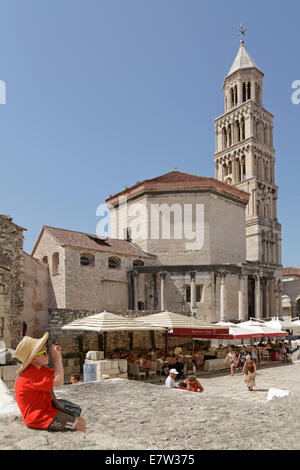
106,321
239,332
262,329
276,323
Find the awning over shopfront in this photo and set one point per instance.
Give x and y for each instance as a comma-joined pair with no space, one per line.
185,326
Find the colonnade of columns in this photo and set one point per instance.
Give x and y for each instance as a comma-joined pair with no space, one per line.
267,298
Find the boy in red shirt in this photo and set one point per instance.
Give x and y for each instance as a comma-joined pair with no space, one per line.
35,383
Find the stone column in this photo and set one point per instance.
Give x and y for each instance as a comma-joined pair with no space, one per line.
272,298
242,285
163,291
234,170
193,292
134,290
240,91
223,297
267,298
253,90
293,307
257,297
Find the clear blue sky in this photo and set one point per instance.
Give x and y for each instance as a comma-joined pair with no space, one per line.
102,93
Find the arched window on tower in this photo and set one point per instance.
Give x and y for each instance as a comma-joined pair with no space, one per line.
232,97
238,131
229,135
248,90
244,92
224,138
266,135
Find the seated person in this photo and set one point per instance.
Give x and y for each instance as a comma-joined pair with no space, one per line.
176,364
74,378
178,351
170,380
193,385
181,385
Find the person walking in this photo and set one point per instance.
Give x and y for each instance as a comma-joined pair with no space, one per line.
254,355
231,357
34,387
242,357
249,372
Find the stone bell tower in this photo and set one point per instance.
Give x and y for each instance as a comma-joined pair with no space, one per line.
245,158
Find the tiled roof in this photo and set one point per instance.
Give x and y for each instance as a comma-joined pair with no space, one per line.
91,242
291,271
178,179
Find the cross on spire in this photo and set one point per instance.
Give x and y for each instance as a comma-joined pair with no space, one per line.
241,31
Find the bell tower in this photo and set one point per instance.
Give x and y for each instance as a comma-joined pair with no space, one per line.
245,157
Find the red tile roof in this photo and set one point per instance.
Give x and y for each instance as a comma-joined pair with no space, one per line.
91,242
291,271
177,180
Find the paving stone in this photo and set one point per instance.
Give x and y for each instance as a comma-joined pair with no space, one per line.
128,414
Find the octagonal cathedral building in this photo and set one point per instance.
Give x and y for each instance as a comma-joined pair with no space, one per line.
236,273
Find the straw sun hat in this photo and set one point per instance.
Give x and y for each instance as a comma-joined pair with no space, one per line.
27,349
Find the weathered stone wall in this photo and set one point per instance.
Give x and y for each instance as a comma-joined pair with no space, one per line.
36,296
45,250
11,281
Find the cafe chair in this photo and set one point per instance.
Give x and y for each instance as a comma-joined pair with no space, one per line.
137,372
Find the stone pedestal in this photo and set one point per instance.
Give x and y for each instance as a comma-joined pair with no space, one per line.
108,368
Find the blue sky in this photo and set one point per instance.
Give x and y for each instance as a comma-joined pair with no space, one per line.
101,94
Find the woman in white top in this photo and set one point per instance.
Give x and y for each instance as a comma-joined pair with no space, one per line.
231,356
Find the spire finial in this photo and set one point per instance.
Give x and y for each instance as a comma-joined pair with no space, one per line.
241,32
175,167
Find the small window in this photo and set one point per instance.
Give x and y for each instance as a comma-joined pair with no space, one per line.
55,263
45,260
86,259
114,263
137,262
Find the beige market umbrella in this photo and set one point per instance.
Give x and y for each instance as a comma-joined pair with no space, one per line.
106,321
